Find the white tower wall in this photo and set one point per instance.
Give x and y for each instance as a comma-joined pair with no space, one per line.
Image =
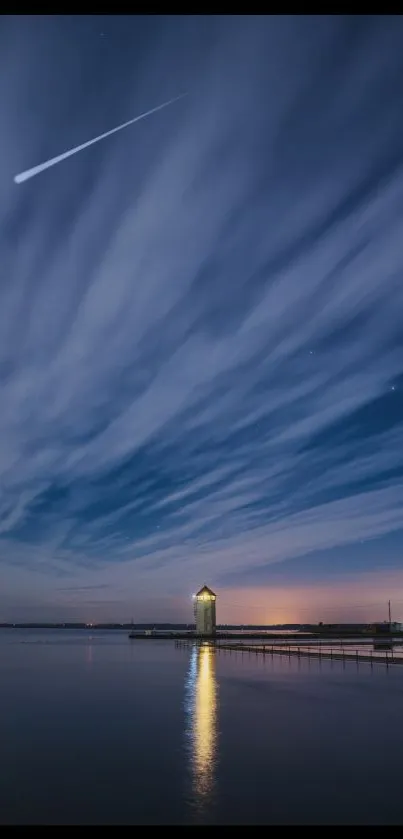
205,612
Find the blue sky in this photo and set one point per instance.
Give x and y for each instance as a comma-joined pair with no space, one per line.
201,355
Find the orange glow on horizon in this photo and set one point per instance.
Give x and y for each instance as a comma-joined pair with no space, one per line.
358,600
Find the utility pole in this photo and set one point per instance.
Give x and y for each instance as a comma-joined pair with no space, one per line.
390,614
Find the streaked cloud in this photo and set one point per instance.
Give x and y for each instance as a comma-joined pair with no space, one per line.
200,325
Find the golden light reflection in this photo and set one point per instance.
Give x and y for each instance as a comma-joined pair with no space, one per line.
202,728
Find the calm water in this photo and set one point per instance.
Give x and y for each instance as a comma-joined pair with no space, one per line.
100,730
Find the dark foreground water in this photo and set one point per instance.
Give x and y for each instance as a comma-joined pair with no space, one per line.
102,730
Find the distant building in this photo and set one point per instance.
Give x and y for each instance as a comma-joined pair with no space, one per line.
386,628
338,628
204,611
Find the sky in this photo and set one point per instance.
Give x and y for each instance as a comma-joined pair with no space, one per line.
201,347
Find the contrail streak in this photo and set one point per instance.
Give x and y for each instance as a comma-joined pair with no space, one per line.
29,173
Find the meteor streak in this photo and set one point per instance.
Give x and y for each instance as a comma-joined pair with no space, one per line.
29,173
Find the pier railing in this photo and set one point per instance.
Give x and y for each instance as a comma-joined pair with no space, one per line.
321,650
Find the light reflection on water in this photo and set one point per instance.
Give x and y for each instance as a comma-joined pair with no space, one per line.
95,729
201,725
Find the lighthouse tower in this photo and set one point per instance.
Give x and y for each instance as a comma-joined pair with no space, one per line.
204,610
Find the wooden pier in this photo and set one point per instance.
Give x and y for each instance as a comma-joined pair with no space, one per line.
319,652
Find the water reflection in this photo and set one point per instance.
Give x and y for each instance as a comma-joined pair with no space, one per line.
88,652
201,709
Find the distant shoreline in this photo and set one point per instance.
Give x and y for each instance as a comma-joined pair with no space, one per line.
158,627
178,631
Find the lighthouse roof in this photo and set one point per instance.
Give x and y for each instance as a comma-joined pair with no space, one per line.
206,590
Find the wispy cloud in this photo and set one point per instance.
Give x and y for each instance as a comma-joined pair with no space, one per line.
200,325
81,588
